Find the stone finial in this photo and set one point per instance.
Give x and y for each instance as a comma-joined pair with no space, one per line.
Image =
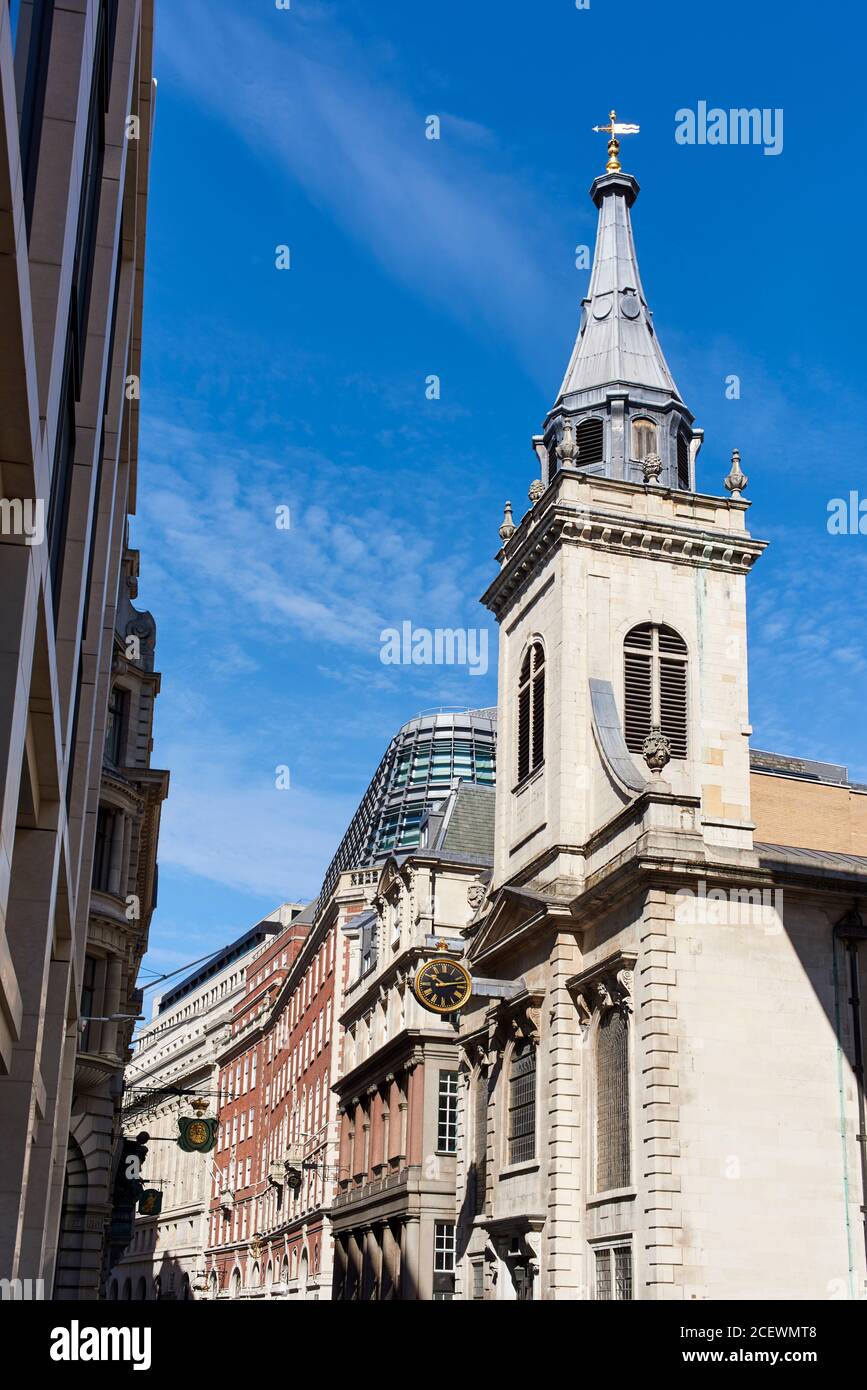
737,480
652,467
537,487
567,450
507,530
656,750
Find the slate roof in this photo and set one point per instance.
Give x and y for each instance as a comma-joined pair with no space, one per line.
469,825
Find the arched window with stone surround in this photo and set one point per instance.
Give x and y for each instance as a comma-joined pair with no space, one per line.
655,659
531,711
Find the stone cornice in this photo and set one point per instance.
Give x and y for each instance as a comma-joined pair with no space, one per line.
621,531
406,1048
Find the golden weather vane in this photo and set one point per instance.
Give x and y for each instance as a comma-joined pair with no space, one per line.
615,128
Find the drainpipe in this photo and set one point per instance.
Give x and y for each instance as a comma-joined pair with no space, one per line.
852,932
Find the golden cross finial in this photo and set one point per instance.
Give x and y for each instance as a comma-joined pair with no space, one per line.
615,128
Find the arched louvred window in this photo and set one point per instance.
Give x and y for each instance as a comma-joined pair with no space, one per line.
612,1102
683,460
655,687
643,439
531,711
589,437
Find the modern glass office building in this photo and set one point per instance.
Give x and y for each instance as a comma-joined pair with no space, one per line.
419,766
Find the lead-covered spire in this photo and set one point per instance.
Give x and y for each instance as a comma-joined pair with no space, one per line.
618,412
616,343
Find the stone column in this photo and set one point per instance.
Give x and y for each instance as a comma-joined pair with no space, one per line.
376,1130
409,1259
415,1129
357,1140
402,1105
356,1257
114,966
390,1263
365,1146
372,1265
344,1161
115,870
341,1269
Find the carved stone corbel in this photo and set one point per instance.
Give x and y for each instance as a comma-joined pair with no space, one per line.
603,988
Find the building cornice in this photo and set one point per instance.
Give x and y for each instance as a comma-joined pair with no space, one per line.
558,520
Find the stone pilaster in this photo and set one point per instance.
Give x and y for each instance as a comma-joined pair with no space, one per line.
657,1056
562,1266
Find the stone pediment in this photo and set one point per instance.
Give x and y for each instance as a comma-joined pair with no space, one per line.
514,913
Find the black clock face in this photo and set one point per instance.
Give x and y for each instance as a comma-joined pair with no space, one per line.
443,986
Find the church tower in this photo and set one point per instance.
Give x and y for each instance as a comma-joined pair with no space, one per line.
621,602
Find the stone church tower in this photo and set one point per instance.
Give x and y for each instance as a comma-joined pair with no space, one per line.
660,1057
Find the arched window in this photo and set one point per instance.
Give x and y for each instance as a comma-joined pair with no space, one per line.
643,439
522,1103
213,1284
235,1287
655,687
590,439
531,711
612,1102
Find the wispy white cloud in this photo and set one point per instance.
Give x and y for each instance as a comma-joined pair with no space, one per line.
450,225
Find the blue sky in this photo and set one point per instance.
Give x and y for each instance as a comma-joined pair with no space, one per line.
410,257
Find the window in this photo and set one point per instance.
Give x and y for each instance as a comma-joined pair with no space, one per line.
522,1103
102,848
614,1274
612,1102
480,1142
643,439
590,437
88,999
655,687
61,482
447,1114
444,1261
478,1280
32,25
531,711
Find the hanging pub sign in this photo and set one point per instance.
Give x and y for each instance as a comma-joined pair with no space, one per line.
442,985
150,1203
198,1134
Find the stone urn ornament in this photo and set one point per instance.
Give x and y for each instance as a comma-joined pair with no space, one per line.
657,751
737,480
652,467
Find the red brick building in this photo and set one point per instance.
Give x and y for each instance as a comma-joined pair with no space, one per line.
275,1164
